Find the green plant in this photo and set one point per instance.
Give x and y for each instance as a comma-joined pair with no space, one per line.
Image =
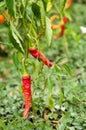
58,93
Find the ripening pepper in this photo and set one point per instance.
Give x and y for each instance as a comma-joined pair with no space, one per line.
36,54
61,25
61,33
2,19
65,20
68,4
26,82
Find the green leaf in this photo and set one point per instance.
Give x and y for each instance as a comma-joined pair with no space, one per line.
42,11
51,102
66,67
2,3
8,44
49,6
48,31
64,120
63,2
15,60
16,38
11,7
61,96
50,86
14,43
15,31
36,10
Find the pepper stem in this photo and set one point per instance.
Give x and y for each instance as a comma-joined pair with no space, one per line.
24,69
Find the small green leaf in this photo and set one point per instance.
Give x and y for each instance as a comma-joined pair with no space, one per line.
15,31
48,31
15,60
2,3
14,43
15,37
66,67
36,10
61,96
42,11
63,5
49,6
50,86
51,102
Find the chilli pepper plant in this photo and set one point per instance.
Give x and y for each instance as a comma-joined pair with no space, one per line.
29,22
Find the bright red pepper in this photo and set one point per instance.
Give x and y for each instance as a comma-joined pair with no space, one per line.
36,54
26,81
65,20
45,60
61,33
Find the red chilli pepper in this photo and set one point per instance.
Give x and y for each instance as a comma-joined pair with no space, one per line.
61,33
36,54
65,20
26,81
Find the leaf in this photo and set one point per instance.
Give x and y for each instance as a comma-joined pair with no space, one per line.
15,31
64,120
49,6
37,69
63,5
36,10
15,60
14,43
8,44
42,11
2,3
75,36
48,31
66,67
50,86
11,7
61,96
51,102
15,37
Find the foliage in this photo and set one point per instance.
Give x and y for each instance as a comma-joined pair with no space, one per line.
58,93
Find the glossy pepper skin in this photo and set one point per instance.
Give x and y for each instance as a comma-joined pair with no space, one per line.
36,54
26,82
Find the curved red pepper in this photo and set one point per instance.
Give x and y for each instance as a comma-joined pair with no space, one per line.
45,60
36,54
61,33
26,81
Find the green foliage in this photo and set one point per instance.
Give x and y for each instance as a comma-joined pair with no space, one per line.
48,31
59,92
11,7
